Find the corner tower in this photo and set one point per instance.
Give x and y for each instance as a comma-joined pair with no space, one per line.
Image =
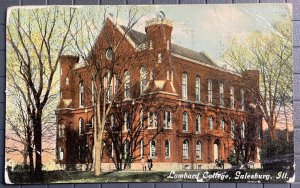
159,32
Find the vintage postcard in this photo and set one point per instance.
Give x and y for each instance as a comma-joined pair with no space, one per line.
165,93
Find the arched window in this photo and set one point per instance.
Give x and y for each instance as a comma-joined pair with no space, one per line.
198,123
210,91
112,120
184,85
81,94
185,121
152,149
232,128
185,149
197,88
167,149
81,126
198,150
211,123
143,80
222,124
127,84
127,121
243,130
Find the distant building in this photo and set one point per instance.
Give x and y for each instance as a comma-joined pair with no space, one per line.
198,111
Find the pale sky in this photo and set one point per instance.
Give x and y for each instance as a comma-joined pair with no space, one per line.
207,27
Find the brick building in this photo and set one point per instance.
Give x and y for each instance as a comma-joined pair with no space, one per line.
177,106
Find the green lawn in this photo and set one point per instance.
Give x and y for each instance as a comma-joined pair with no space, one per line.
132,176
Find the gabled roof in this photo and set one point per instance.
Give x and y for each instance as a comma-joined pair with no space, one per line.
140,38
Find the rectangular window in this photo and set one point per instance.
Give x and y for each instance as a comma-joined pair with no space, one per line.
81,94
168,120
61,130
198,150
159,58
127,85
243,130
242,100
167,149
221,94
168,45
152,120
232,97
185,150
142,149
184,85
198,123
210,92
150,45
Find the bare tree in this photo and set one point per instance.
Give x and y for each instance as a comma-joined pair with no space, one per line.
37,38
271,54
111,87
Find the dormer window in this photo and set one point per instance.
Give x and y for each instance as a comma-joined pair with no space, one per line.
67,81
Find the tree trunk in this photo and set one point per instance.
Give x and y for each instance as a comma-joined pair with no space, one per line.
37,125
273,132
97,167
25,155
30,150
30,154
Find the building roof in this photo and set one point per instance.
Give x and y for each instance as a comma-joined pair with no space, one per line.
140,38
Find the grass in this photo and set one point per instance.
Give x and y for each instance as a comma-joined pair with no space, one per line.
119,176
